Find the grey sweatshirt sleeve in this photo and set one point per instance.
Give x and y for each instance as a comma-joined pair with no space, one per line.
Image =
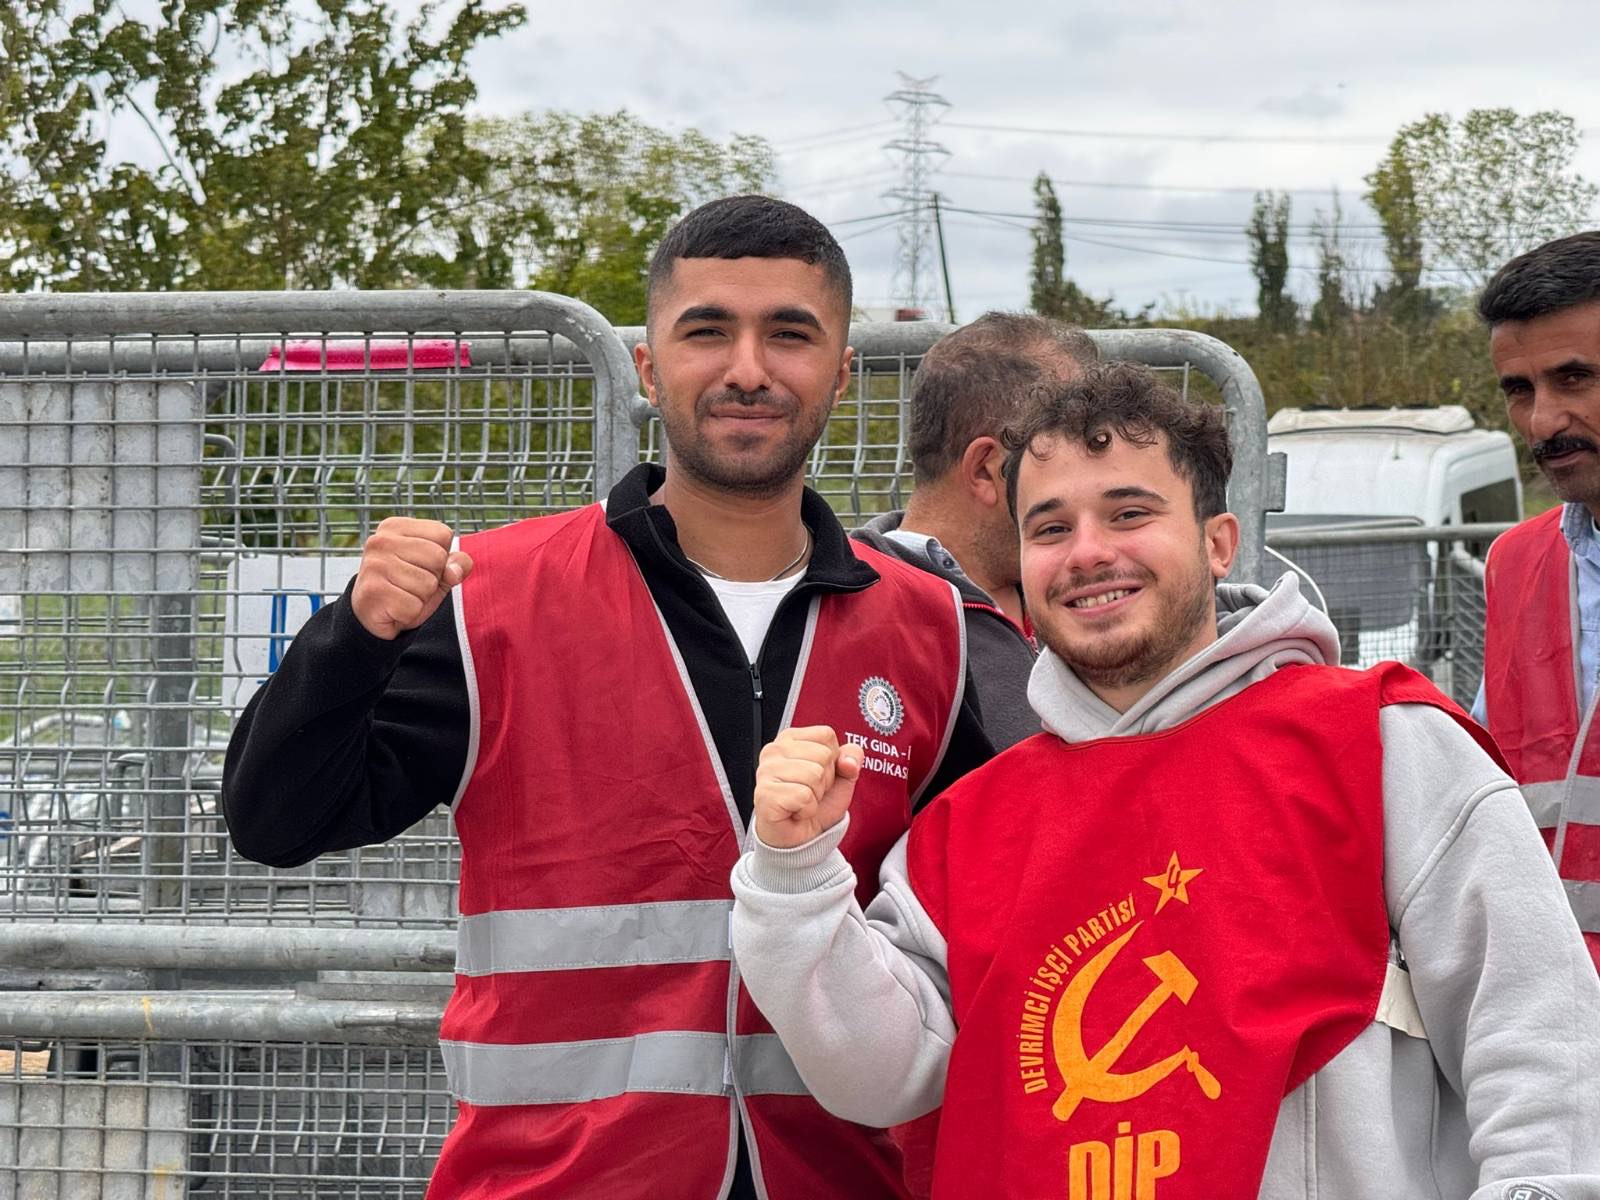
861,1000
1506,990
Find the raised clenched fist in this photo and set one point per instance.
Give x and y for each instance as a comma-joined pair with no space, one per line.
407,569
804,783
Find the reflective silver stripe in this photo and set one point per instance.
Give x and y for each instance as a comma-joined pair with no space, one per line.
469,670
1584,897
572,1072
763,1067
955,700
1544,801
609,935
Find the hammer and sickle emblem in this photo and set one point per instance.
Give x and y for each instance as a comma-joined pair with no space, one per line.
1091,1077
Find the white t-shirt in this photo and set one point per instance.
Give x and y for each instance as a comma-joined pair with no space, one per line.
750,606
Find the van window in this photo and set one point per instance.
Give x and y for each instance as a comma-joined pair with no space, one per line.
1493,503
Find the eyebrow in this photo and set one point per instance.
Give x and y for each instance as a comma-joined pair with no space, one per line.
794,315
702,312
788,315
1129,492
1043,506
1572,364
1133,493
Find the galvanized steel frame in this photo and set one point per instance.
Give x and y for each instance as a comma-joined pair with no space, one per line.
1257,485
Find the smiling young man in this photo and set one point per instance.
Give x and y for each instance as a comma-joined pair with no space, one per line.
589,692
1542,585
969,385
1238,922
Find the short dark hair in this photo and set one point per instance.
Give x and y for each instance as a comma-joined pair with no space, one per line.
1129,401
1550,278
752,227
971,383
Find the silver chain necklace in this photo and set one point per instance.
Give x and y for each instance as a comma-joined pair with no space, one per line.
795,562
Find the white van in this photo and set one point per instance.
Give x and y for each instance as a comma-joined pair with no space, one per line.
1428,465
1374,468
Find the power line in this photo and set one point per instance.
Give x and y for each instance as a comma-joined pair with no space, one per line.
1142,136
870,229
1012,221
1136,187
877,126
899,212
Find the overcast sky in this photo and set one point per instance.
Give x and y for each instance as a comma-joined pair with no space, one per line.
1322,88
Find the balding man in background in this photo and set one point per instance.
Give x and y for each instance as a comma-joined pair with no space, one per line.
970,384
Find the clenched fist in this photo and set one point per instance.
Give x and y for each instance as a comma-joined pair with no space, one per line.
804,782
407,569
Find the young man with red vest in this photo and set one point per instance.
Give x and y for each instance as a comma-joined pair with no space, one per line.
1239,922
589,692
1541,645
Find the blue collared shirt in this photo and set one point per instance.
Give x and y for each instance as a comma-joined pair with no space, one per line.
1578,527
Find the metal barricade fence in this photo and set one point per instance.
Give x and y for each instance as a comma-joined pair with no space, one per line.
1404,592
183,479
862,468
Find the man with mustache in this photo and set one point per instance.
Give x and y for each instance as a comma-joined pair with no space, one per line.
588,692
1240,922
1541,651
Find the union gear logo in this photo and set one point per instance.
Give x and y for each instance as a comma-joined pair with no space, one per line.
1528,1191
881,706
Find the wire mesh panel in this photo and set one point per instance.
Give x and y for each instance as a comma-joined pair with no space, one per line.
186,480
183,482
861,466
95,1119
1407,593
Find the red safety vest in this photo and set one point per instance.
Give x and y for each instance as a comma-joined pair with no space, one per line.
1530,681
599,1042
1153,939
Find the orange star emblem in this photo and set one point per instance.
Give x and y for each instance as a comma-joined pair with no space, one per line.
1174,884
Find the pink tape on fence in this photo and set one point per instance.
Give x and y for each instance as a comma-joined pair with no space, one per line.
369,356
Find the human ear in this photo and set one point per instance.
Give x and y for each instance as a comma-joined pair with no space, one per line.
843,381
1222,543
644,362
980,474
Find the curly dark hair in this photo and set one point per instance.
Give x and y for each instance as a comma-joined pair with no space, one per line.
1129,401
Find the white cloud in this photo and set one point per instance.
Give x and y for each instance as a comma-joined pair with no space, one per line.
1341,77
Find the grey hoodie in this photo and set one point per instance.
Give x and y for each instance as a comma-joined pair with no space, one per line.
1499,1099
999,653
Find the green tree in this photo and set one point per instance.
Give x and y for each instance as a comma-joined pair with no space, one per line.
577,203
1479,190
298,149
1392,193
1047,290
1268,234
1050,292
1333,306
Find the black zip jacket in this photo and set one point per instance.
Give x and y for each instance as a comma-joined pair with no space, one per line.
354,739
